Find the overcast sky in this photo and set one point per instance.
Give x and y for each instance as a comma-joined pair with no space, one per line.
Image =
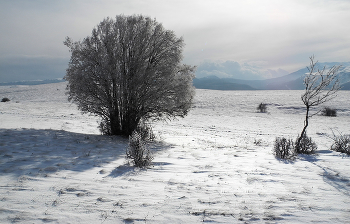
269,37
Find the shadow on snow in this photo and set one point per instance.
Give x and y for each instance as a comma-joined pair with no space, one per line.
39,152
34,152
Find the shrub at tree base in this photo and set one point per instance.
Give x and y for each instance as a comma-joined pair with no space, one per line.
138,152
145,130
329,112
341,144
283,148
305,146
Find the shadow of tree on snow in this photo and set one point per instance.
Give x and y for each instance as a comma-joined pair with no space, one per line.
34,152
330,176
40,152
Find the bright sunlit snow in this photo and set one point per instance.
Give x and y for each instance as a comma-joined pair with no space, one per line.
215,165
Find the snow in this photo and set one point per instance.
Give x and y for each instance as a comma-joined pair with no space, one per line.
215,165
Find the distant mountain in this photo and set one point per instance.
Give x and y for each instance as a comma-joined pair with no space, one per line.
213,82
292,81
345,86
37,82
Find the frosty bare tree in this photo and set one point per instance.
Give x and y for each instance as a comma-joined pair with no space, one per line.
129,70
321,85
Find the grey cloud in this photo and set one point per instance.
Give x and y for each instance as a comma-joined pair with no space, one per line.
282,34
270,73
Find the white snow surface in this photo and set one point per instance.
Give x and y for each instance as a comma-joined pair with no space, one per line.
215,165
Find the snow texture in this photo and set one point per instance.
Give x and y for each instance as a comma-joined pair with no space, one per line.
215,165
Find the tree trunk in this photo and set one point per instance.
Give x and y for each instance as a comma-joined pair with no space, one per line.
130,122
306,123
116,128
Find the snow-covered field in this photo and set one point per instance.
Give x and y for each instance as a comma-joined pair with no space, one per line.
216,165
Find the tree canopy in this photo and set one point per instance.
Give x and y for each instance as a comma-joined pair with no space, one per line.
129,70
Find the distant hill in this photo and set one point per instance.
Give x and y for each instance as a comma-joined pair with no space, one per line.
30,83
345,86
292,81
213,82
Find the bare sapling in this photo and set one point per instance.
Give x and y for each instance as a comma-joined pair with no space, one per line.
321,85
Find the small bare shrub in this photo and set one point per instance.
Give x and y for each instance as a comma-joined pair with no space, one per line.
283,148
5,99
262,108
257,142
341,144
305,145
137,151
329,112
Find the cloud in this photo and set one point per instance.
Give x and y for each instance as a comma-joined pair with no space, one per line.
281,34
232,69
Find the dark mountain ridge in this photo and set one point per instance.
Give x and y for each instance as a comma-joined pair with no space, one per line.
215,83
